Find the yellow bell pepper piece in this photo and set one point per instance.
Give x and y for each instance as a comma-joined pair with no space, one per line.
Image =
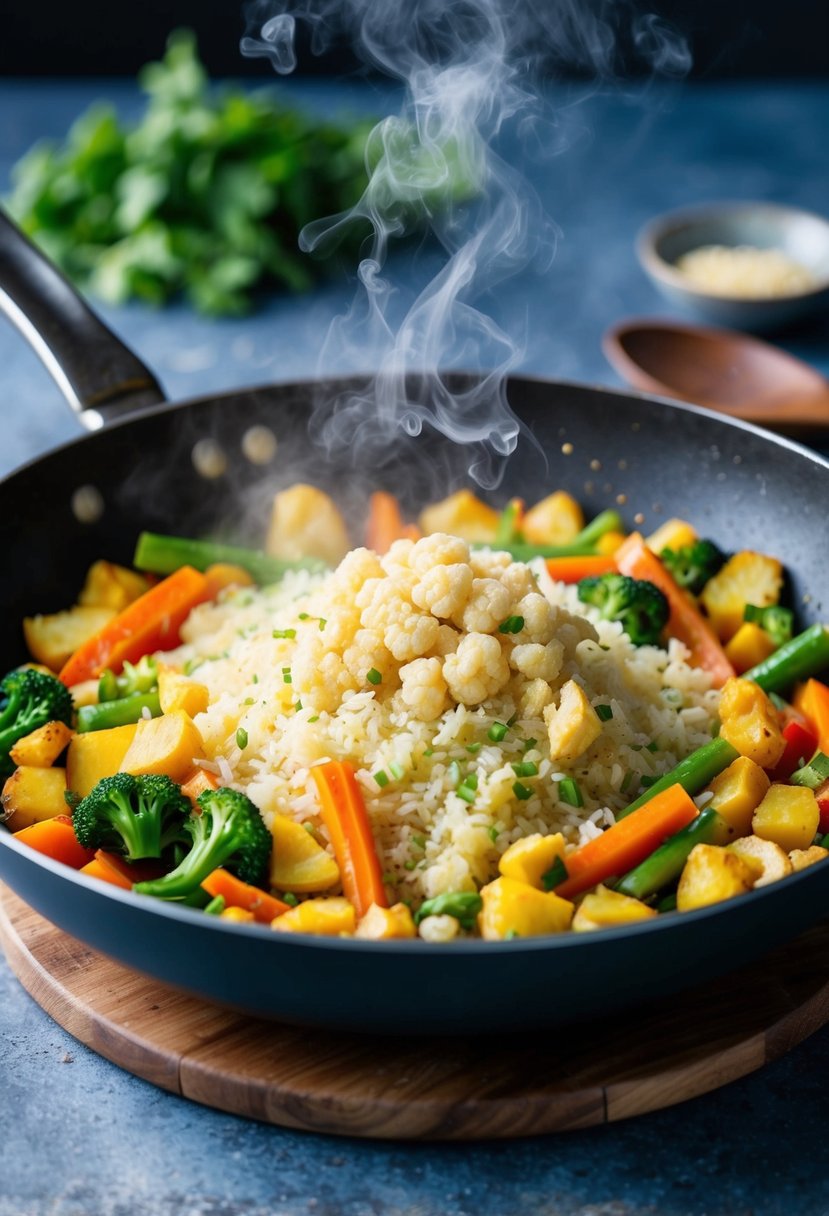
555,520
602,909
749,646
33,794
737,790
177,691
329,917
529,859
712,874
386,924
515,909
673,534
168,745
298,863
788,815
41,747
95,754
749,722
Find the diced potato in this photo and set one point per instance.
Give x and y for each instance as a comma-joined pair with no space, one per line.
789,815
801,859
386,924
111,586
749,646
52,638
167,745
574,725
298,863
746,578
515,909
750,723
555,520
305,522
41,748
33,794
604,908
768,859
712,874
331,917
95,754
737,790
238,914
177,691
529,859
461,514
673,534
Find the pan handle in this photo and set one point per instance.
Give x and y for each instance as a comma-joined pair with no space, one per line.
98,375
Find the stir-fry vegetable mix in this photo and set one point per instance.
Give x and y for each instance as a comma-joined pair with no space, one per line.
112,779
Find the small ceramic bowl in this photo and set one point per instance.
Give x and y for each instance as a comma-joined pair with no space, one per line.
802,236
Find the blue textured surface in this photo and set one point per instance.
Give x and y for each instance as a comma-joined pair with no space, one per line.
81,1137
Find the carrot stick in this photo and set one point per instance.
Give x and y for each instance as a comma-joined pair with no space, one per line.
55,838
634,558
150,623
628,842
574,569
345,816
238,894
199,780
100,867
385,523
812,699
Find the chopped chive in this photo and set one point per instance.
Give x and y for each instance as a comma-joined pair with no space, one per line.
466,792
430,751
555,875
647,782
511,935
216,905
304,616
527,768
373,676
315,718
522,792
397,770
284,633
511,721
513,624
286,675
569,792
604,712
420,841
241,738
249,701
497,731
323,623
473,748
290,899
493,833
626,780
653,746
255,679
309,828
530,744
381,778
409,865
298,706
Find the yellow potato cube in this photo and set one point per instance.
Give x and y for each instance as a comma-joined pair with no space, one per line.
515,909
298,863
749,646
168,745
305,522
712,874
737,790
673,534
768,859
573,726
111,586
746,578
52,638
461,514
802,858
331,917
604,908
555,520
41,748
238,914
529,859
750,723
95,754
788,815
386,924
177,691
33,794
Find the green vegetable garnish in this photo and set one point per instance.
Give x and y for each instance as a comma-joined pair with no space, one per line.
569,792
463,905
513,624
284,633
522,792
603,712
373,676
555,875
241,738
526,768
497,731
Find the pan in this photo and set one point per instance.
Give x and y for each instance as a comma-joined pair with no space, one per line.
740,485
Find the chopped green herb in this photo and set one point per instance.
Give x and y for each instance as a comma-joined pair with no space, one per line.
497,731
511,721
249,701
255,679
604,712
526,768
466,793
216,905
511,935
241,738
420,841
430,751
463,905
304,616
389,879
522,792
381,778
473,748
286,675
653,746
315,718
555,875
397,770
290,899
309,828
284,633
323,623
626,780
298,706
493,833
373,676
646,782
513,624
530,744
569,792
409,865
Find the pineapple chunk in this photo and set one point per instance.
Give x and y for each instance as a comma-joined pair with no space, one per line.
602,909
746,578
298,863
111,586
573,726
385,924
673,534
515,909
177,691
332,917
712,874
789,815
555,520
749,722
167,745
95,754
749,646
802,858
51,639
41,748
769,861
529,859
461,514
305,522
737,790
33,794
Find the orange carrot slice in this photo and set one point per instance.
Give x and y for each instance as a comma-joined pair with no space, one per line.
633,557
385,523
346,818
812,699
56,838
197,782
628,842
101,867
574,569
150,623
238,894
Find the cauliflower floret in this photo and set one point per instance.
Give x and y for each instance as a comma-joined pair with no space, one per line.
398,557
412,636
518,580
443,590
438,550
447,641
423,689
366,652
439,928
486,563
537,661
540,617
383,603
352,572
533,698
320,676
477,670
573,726
487,607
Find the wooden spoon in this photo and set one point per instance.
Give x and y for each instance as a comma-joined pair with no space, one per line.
720,369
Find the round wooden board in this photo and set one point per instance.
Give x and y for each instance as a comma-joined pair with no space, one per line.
439,1089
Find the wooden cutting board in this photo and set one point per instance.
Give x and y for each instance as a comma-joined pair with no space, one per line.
437,1089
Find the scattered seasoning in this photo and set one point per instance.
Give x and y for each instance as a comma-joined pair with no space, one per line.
290,899
497,731
373,676
569,792
284,633
493,833
513,624
382,778
473,748
286,675
241,738
555,875
397,771
526,768
522,792
604,712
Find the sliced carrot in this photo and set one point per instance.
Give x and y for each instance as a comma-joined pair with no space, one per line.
574,569
197,782
633,557
346,818
628,842
238,894
812,700
150,623
385,523
101,867
56,838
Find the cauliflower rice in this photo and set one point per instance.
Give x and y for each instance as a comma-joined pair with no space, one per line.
400,665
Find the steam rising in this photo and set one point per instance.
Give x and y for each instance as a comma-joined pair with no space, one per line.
469,70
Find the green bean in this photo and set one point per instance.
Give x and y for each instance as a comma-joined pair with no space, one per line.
164,554
665,864
803,656
693,773
122,712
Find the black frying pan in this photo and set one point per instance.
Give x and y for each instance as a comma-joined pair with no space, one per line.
739,485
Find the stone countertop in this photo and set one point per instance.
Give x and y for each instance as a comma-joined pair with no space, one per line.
82,1138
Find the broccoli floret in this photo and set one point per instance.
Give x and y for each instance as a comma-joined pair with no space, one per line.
776,621
139,677
29,699
133,816
227,830
693,565
640,606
